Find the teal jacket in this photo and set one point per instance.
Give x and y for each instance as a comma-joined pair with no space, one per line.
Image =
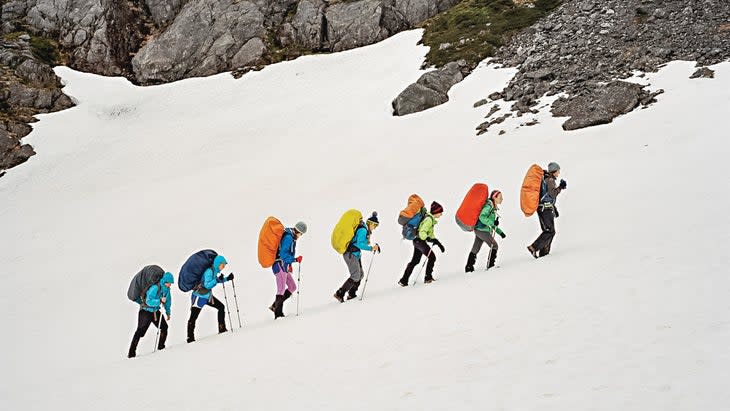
154,295
361,241
487,217
210,279
426,229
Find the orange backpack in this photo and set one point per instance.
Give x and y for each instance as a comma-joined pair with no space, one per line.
468,213
415,204
530,191
269,239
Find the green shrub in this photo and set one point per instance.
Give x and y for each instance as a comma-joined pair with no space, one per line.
44,49
476,28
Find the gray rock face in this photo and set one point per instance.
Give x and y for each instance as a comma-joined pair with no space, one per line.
203,40
27,87
600,105
360,23
164,11
430,90
585,43
308,26
100,35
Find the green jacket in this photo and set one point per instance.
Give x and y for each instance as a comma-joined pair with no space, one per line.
487,217
425,230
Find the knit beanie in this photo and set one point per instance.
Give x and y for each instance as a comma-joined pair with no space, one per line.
436,208
301,227
374,218
553,167
495,193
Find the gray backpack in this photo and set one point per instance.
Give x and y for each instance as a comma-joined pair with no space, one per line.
148,276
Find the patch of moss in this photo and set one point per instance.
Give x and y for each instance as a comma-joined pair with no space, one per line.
13,36
473,29
45,50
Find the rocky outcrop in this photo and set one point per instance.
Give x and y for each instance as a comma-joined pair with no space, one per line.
585,45
99,36
430,90
205,38
27,87
158,41
211,36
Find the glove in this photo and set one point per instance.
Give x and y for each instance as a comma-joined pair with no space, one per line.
288,268
168,317
230,277
496,221
376,248
220,278
163,300
438,244
503,235
298,259
563,185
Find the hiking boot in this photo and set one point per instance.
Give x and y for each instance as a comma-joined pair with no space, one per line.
279,305
402,283
131,354
339,296
532,251
470,263
222,328
428,280
190,339
492,259
163,338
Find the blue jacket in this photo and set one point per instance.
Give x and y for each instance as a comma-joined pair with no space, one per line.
210,279
156,292
361,241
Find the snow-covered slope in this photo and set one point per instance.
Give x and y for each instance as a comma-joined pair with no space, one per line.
629,312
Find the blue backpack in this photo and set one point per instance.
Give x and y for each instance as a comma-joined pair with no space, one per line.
192,271
410,228
545,197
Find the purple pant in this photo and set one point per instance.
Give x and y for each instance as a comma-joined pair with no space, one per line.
284,280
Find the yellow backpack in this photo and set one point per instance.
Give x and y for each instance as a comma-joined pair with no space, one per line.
345,230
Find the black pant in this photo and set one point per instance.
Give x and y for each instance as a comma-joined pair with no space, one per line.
144,319
547,224
195,312
420,248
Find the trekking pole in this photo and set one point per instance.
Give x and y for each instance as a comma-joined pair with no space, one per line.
230,320
367,275
157,337
235,298
415,280
299,278
489,257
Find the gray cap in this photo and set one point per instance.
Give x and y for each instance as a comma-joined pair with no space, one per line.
301,227
553,167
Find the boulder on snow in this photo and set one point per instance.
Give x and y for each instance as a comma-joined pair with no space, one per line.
430,90
600,104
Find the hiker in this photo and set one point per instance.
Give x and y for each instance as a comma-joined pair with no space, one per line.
203,295
282,267
487,224
546,211
353,257
425,234
149,312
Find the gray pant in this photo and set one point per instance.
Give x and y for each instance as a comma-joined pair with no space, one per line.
483,237
354,265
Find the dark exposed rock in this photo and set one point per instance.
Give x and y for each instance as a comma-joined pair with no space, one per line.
494,109
27,87
484,127
430,90
599,104
703,72
481,102
584,43
436,84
